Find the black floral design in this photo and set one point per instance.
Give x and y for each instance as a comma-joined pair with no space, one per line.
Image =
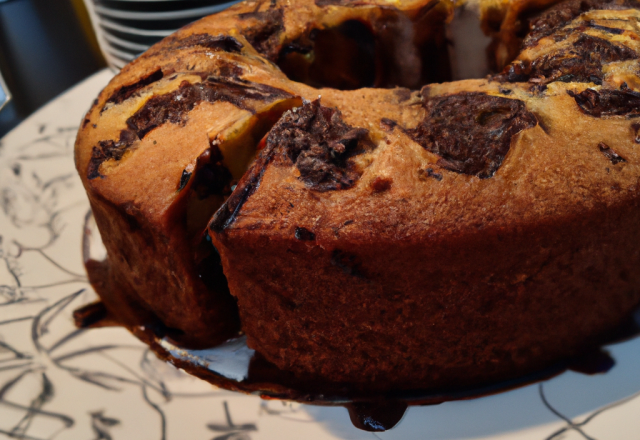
578,426
230,430
101,425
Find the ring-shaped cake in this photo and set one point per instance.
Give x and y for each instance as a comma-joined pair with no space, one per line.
307,173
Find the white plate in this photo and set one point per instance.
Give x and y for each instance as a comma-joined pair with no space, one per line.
57,382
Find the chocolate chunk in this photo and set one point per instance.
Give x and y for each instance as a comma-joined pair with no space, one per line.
558,15
106,150
127,137
264,36
595,361
304,234
580,63
608,102
225,43
125,92
429,173
614,157
381,184
320,144
173,107
471,132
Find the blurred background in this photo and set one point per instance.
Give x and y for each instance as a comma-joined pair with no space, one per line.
47,46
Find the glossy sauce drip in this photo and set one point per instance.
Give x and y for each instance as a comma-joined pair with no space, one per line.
91,315
376,416
593,362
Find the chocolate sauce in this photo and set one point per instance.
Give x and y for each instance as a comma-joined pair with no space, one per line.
597,361
376,416
90,315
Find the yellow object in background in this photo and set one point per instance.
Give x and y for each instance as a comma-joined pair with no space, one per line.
85,24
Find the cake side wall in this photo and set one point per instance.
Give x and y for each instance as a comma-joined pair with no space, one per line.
155,281
492,304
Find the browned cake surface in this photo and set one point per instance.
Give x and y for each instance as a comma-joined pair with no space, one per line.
469,231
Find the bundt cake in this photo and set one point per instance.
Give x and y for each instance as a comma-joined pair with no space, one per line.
307,172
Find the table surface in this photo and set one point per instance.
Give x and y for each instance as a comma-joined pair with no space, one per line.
57,382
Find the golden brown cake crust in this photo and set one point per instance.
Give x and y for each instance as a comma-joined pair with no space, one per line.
474,230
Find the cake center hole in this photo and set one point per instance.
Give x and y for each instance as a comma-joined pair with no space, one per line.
395,50
342,58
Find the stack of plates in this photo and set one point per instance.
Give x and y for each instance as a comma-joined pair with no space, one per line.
4,92
126,28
